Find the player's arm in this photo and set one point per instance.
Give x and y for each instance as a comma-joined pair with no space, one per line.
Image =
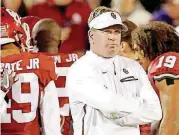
150,111
168,86
49,110
83,86
155,128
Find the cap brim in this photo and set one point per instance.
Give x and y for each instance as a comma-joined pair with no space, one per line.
103,25
106,20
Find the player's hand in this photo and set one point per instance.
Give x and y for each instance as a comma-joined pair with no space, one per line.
8,78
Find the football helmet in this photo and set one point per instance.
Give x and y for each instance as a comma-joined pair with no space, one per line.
31,21
13,30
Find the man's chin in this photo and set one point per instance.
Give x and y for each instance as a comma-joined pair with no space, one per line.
112,53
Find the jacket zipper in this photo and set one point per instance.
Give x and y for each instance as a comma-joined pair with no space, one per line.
114,77
114,69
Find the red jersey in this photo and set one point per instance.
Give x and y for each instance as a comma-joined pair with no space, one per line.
63,62
35,90
165,65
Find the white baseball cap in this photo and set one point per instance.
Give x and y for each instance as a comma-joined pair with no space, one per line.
107,19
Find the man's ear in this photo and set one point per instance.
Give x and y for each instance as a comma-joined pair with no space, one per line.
90,34
123,46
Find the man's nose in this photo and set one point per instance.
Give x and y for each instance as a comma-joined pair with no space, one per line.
111,37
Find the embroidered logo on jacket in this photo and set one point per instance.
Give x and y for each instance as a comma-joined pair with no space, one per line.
125,71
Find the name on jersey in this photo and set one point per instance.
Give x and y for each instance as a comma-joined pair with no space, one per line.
17,66
71,58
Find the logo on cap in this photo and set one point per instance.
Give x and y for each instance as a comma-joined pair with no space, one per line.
113,15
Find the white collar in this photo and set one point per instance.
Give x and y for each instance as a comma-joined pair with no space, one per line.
104,63
100,58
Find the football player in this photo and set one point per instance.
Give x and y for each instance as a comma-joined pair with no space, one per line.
34,91
151,44
152,40
18,39
164,72
47,35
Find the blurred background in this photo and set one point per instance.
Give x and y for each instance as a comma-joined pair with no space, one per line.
73,15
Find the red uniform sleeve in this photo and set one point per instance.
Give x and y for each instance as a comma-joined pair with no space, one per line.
165,63
162,66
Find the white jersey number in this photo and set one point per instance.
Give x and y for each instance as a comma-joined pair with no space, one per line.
62,92
169,62
23,98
